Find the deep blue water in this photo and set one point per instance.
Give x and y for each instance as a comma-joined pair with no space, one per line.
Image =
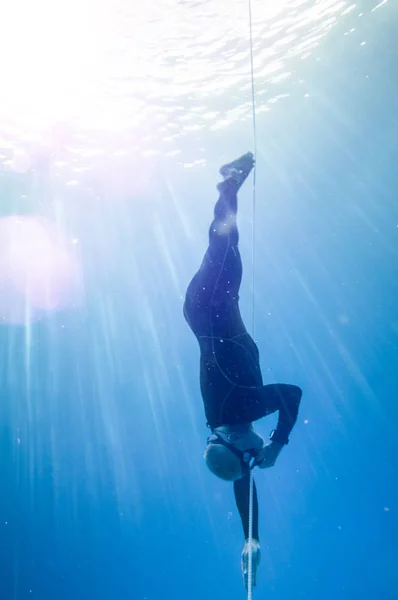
106,494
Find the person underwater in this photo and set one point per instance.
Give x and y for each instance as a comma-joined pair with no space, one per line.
231,382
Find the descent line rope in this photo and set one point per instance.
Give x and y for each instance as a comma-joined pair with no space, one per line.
251,480
250,540
253,99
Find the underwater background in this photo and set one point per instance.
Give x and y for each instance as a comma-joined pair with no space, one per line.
114,121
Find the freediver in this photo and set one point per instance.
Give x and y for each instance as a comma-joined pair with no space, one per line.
231,382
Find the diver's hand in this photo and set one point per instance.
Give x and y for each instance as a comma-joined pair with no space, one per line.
267,456
256,555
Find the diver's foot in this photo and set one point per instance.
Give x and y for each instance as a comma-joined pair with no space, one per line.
237,171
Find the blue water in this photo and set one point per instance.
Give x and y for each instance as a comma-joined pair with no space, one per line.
103,490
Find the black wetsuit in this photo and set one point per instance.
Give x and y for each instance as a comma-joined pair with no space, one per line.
230,375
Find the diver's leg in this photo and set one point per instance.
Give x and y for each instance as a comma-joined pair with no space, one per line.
223,233
222,260
220,274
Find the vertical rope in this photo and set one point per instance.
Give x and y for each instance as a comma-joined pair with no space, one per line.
250,540
251,484
255,155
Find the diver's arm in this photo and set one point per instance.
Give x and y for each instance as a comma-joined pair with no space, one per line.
285,399
242,489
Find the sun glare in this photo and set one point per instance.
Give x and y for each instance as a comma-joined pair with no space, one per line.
54,54
86,61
